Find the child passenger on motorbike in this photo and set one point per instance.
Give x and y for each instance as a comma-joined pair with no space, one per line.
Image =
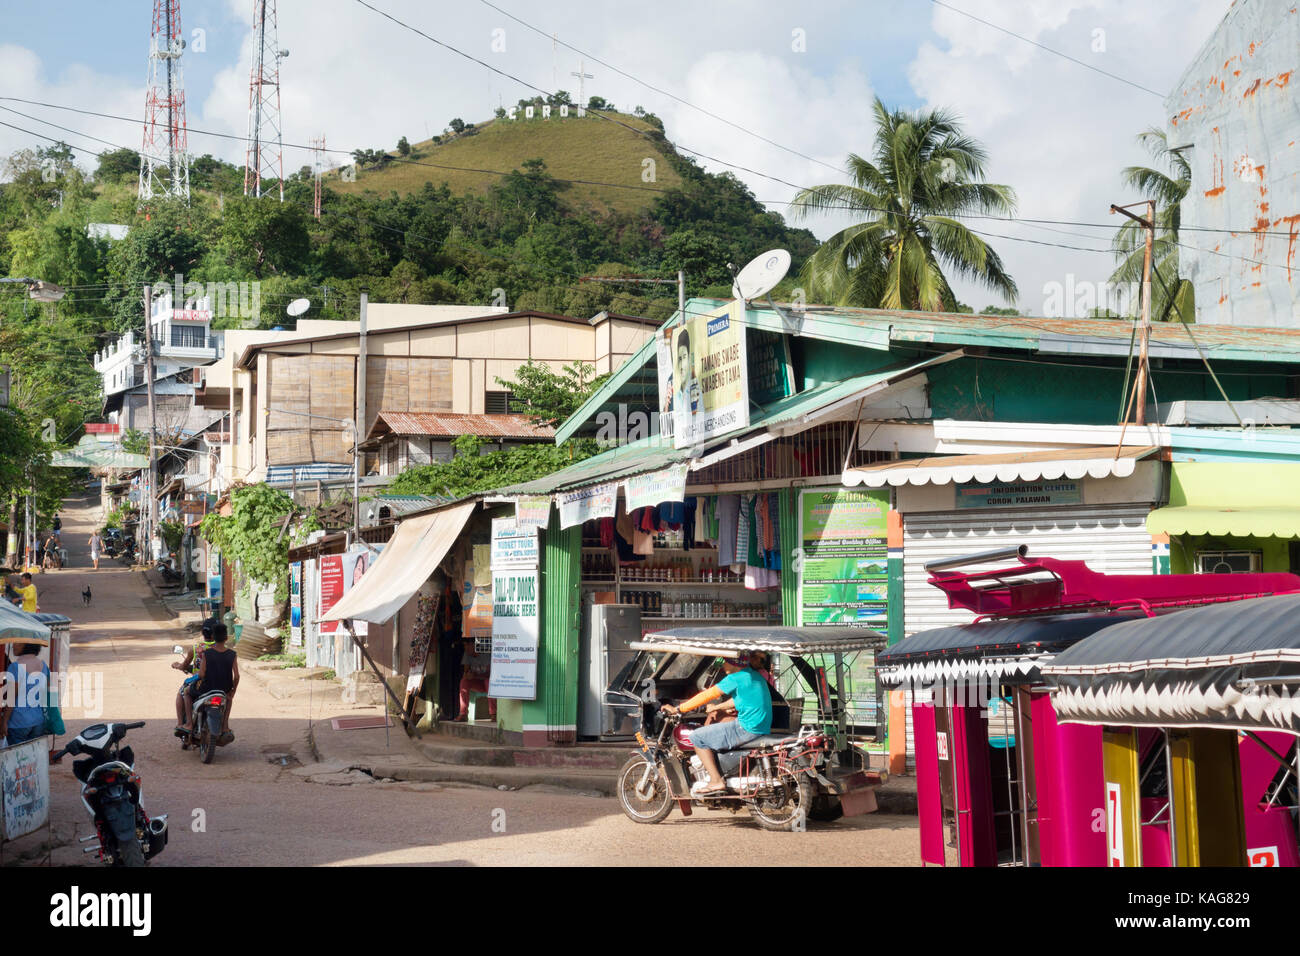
185,696
753,703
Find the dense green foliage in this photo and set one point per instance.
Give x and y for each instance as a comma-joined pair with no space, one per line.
469,471
548,397
250,534
923,173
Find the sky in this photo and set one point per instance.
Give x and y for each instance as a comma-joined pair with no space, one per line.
801,74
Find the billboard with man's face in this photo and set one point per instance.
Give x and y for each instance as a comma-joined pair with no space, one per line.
707,388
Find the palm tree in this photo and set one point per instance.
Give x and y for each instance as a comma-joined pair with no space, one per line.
923,174
1171,296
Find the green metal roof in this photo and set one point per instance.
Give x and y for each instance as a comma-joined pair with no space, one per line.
655,452
90,452
884,329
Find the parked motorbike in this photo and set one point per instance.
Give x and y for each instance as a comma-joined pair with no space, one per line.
209,718
773,777
110,791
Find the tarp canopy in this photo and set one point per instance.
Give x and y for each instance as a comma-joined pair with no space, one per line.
1074,463
1235,664
90,452
777,640
19,627
410,556
1008,650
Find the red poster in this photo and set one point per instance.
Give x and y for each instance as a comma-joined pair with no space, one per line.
331,589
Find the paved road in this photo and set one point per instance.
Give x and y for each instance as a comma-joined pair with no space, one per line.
256,812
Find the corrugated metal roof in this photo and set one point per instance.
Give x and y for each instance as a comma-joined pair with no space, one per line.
450,425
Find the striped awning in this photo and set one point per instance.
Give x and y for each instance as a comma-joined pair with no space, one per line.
1226,665
1072,463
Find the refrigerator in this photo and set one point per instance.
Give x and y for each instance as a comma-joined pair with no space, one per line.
607,629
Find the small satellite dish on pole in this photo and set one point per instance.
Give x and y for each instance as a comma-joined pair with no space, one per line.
761,275
298,306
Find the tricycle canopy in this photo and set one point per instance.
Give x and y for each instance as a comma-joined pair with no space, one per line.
792,641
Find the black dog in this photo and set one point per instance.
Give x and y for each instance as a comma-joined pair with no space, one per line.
85,595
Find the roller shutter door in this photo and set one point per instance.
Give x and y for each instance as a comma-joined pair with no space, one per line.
1113,539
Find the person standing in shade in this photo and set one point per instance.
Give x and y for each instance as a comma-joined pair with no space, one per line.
96,545
477,670
22,717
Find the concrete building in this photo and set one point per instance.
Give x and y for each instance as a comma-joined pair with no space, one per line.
1236,106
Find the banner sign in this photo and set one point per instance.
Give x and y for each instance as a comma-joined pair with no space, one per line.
512,548
193,506
843,572
709,381
842,568
598,501
25,787
339,573
295,604
644,491
1018,494
533,512
514,635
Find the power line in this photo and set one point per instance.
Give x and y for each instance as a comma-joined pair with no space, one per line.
1035,43
588,182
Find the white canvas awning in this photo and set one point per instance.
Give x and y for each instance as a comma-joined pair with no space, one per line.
1019,466
411,555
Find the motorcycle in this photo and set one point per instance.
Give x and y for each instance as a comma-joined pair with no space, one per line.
807,768
125,834
773,777
209,717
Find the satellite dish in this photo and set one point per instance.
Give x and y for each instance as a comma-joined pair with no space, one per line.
761,275
298,306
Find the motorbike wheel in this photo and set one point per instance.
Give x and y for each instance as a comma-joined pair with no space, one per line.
650,809
788,808
131,853
207,745
825,808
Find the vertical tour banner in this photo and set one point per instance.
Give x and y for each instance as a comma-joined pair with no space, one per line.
25,787
515,612
842,567
708,384
295,604
330,584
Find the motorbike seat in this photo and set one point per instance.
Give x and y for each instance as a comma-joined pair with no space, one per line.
765,741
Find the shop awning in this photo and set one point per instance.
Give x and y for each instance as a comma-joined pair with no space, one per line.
777,640
1245,499
1245,522
1235,664
411,555
1073,463
1010,651
92,453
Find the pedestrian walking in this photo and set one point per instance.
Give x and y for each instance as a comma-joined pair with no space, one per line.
96,543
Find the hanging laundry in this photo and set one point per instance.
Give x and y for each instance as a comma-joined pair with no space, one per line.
690,520
728,519
606,532
672,514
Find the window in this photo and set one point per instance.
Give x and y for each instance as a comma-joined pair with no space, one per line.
189,337
497,403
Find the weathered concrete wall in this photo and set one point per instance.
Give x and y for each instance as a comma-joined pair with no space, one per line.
1238,106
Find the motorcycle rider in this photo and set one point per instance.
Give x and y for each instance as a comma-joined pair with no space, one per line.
189,665
219,670
753,702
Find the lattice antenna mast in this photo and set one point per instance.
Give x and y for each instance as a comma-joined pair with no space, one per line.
318,172
264,157
164,155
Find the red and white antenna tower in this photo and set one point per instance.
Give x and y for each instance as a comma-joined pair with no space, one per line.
318,171
164,156
264,157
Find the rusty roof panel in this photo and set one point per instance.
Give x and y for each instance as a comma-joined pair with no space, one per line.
449,425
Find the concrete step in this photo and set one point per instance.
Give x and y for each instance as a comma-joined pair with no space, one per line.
461,751
509,778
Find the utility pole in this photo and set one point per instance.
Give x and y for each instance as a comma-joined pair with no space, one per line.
359,423
1144,328
151,512
680,282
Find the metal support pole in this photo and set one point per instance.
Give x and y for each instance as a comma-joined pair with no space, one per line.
1144,329
365,654
359,423
151,525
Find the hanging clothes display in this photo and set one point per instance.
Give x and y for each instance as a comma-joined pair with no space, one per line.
728,515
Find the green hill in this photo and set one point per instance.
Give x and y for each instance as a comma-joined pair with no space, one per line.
587,148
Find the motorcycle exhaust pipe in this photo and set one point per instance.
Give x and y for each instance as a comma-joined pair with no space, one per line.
92,849
158,825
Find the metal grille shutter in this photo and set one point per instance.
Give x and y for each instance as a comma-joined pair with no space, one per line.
1113,539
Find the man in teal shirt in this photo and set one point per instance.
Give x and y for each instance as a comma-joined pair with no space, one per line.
753,703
